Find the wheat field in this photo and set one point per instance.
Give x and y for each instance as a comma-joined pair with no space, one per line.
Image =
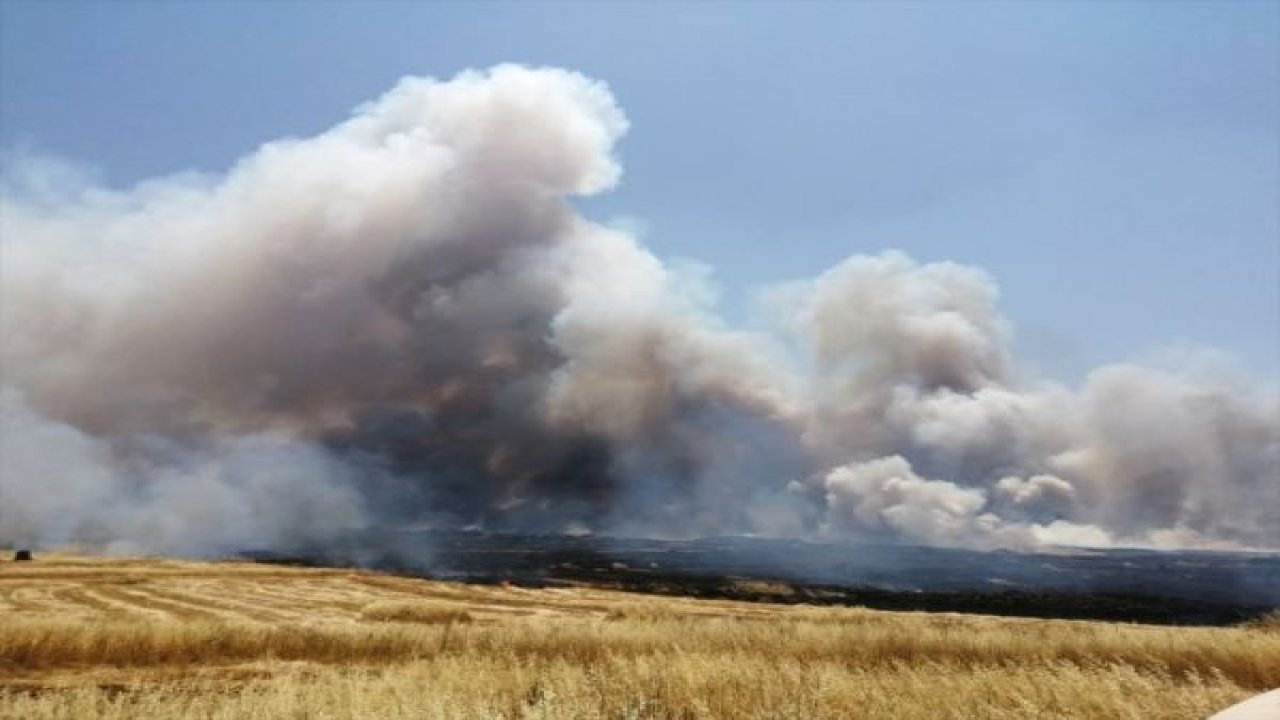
95,637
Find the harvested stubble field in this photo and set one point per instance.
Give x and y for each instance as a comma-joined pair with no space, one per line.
85,637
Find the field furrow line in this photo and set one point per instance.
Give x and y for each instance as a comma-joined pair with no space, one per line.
37,600
291,593
19,601
349,592
224,600
319,601
399,586
342,595
311,602
88,603
308,603
147,597
112,596
214,607
271,608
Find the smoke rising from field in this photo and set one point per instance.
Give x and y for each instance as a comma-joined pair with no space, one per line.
403,320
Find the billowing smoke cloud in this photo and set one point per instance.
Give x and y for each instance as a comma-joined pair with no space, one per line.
60,483
403,320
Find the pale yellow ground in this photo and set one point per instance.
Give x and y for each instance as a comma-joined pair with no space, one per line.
84,636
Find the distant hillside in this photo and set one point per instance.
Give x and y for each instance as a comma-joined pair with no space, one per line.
1166,587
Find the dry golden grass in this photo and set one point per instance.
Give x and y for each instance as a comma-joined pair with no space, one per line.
643,611
415,612
85,637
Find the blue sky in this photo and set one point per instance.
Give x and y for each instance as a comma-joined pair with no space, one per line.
1116,167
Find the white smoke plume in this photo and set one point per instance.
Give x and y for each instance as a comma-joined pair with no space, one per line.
403,319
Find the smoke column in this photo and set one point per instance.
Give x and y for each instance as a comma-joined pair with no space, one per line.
403,320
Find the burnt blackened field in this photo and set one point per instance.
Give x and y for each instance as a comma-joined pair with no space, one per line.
1184,587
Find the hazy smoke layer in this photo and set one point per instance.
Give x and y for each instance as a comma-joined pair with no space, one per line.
403,320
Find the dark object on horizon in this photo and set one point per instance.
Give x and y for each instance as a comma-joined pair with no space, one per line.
22,556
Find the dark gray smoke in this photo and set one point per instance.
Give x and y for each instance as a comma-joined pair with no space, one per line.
402,320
